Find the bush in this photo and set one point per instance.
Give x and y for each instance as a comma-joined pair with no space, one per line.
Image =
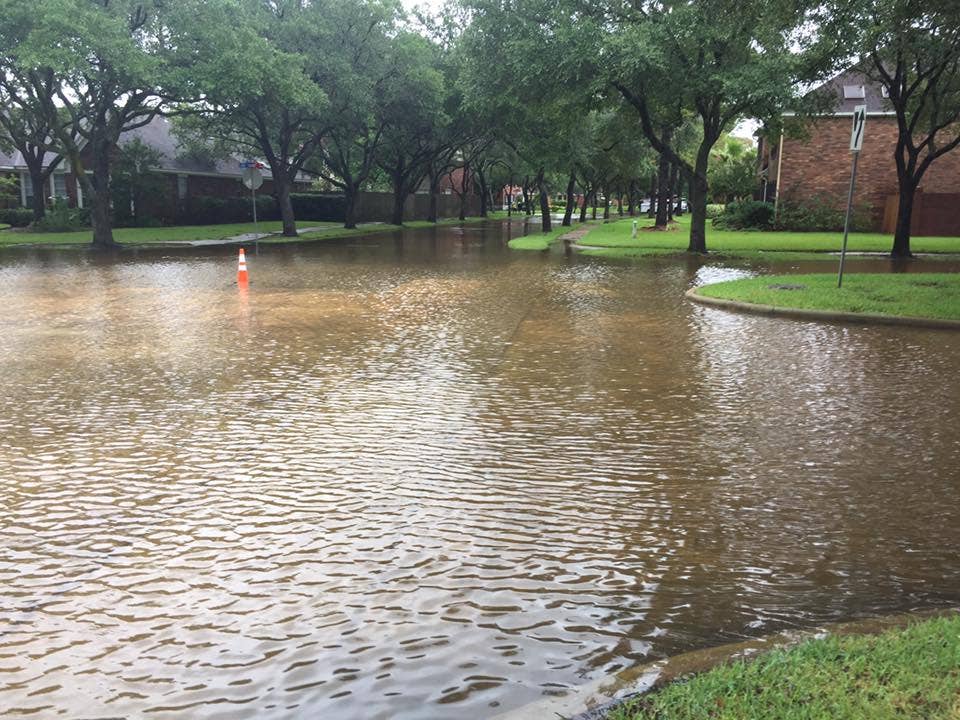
819,214
60,217
314,206
714,210
210,210
16,217
746,215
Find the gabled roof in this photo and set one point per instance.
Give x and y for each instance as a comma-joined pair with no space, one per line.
158,134
873,93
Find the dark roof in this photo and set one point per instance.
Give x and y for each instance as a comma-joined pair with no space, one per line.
873,91
158,134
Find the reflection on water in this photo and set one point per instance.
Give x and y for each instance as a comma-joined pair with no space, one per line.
420,476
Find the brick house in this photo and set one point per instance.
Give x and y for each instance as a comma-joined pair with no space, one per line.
818,167
181,176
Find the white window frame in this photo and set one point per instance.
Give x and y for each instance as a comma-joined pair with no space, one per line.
854,92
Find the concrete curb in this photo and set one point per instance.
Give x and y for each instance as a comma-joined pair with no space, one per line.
823,315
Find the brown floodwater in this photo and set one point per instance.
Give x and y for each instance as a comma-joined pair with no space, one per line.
423,476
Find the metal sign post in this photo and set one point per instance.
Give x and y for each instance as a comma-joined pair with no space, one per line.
856,143
253,179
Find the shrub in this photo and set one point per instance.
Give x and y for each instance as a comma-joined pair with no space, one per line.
211,210
714,210
746,215
60,217
16,217
315,206
819,214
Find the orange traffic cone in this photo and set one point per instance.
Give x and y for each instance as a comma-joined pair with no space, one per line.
242,277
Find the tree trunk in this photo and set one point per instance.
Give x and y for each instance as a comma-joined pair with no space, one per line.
698,201
484,192
525,189
674,174
583,205
680,178
606,205
652,210
545,222
901,236
100,205
282,187
632,198
619,203
434,210
38,179
350,206
399,199
663,191
568,211
593,200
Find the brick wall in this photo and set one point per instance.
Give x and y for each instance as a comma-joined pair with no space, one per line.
820,165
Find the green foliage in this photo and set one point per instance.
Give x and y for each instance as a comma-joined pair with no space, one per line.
9,187
819,214
16,217
133,182
732,174
714,210
206,210
60,217
909,674
746,215
313,206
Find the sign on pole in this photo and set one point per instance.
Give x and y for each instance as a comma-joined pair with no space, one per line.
252,180
856,143
859,121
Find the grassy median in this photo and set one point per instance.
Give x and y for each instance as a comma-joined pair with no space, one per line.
920,295
614,240
909,674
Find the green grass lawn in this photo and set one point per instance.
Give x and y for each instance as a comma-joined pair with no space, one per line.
188,233
613,239
144,236
538,240
927,295
907,674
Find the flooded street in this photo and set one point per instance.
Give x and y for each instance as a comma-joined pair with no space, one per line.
426,477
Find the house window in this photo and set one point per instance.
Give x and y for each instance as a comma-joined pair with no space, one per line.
854,92
885,91
26,190
58,185
182,186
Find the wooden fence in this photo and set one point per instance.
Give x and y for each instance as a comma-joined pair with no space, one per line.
934,214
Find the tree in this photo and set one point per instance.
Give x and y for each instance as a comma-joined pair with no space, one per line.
669,58
110,66
416,122
25,127
272,107
357,77
912,48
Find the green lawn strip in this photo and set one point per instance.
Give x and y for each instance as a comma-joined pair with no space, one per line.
752,243
926,295
143,236
908,674
538,240
188,233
